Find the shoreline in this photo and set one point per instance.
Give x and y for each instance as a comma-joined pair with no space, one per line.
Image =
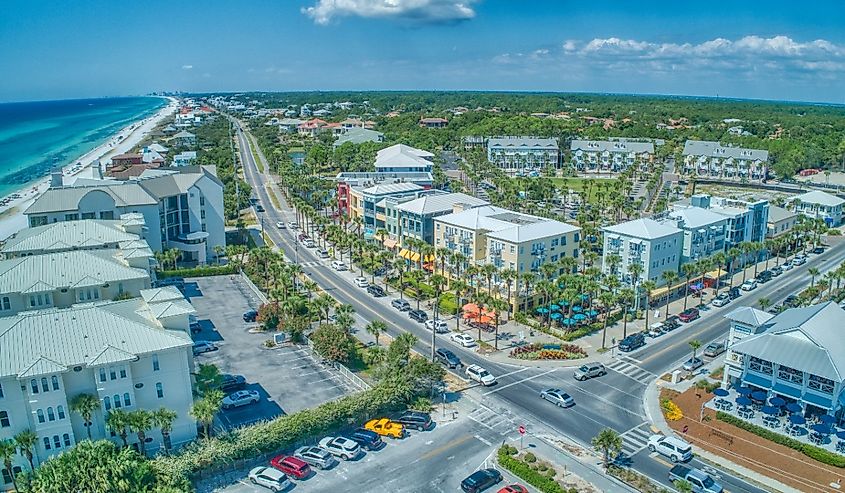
12,218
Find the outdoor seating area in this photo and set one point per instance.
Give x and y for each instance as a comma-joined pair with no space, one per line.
780,416
568,317
478,316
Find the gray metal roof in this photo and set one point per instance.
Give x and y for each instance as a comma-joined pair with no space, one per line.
820,198
391,188
439,202
512,142
715,149
124,194
624,146
506,225
66,235
47,341
809,339
696,217
749,316
646,229
777,214
359,136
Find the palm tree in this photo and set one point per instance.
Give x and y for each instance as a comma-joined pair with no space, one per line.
116,421
163,419
608,443
704,265
813,273
376,328
733,255
8,450
607,300
688,270
508,276
694,344
764,303
625,298
206,408
27,441
718,259
84,405
139,421
670,277
648,287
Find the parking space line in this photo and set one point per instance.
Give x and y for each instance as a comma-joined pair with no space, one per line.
520,381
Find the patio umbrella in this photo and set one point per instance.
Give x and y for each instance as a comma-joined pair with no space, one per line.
593,313
720,392
563,303
577,308
543,310
777,401
744,391
770,410
840,435
743,401
579,316
469,315
797,419
569,321
484,319
794,407
827,419
555,315
759,395
471,307
585,296
490,313
821,428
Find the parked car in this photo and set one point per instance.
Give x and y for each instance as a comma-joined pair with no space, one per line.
787,266
481,480
764,277
315,457
309,243
401,305
345,448
656,329
671,323
590,370
418,315
438,326
818,250
322,253
749,285
281,225
361,282
799,259
292,466
417,420
480,375
339,266
776,270
557,397
250,316
791,301
241,398
368,439
386,428
270,478
376,291
448,358
775,309
632,342
693,364
734,293
194,324
676,449
464,340
293,225
688,315
230,383
513,488
714,349
200,347
721,300
700,481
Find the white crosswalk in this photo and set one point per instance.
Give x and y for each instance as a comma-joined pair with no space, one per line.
313,263
502,422
635,439
631,370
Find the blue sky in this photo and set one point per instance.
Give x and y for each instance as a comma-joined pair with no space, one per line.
772,50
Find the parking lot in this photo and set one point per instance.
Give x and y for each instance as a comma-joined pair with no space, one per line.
287,377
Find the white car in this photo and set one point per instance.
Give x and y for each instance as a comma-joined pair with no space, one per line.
309,243
281,225
693,364
362,282
749,285
339,266
480,375
676,449
721,300
799,260
270,478
293,225
438,326
241,398
787,265
464,340
342,447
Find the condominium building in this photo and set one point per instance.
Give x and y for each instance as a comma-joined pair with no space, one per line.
653,245
368,203
515,154
819,205
348,180
182,208
415,217
120,352
747,220
610,156
704,232
403,159
781,221
713,160
126,233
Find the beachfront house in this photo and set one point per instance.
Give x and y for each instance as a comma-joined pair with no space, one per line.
185,139
819,205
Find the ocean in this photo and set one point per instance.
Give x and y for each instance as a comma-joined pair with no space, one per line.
35,135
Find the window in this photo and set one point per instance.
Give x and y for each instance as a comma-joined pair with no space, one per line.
47,443
7,476
40,414
51,416
112,373
66,438
4,419
34,385
89,215
117,401
126,401
102,374
159,390
44,386
155,362
56,442
1,391
6,304
55,380
122,372
61,412
71,217
107,403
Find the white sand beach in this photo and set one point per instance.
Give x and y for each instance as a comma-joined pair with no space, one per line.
12,218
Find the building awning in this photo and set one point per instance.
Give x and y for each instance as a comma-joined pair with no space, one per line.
818,400
390,242
787,390
714,274
757,380
429,258
404,253
415,257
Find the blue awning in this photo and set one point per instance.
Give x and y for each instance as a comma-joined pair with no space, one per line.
818,400
757,380
787,390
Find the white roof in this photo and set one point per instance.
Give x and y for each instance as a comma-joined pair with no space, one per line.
716,149
697,217
749,316
820,198
400,155
516,142
67,235
392,188
506,225
646,229
777,214
611,146
439,202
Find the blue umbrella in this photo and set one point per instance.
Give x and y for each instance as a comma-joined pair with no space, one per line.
794,407
554,307
777,401
797,419
759,395
569,321
771,410
585,296
593,313
827,419
743,401
821,428
542,310
840,435
743,391
579,316
555,315
576,308
563,303
720,392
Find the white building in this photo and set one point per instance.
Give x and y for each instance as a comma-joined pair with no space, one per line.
402,158
185,158
744,322
713,160
704,232
126,233
517,154
610,156
653,245
819,205
747,220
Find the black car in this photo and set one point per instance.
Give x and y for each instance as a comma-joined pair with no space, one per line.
481,480
818,250
632,342
259,208
764,277
415,419
790,301
231,383
250,316
367,439
418,315
734,293
376,291
448,358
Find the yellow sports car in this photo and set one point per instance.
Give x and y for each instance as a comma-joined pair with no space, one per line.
385,427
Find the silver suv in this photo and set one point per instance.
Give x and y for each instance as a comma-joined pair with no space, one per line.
590,370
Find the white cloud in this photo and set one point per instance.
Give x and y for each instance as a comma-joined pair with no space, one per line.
423,11
187,67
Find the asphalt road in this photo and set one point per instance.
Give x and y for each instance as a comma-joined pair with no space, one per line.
613,401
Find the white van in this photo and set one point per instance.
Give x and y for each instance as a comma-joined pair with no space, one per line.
338,265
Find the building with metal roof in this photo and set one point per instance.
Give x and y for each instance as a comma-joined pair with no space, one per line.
817,204
521,154
708,159
358,135
780,222
656,246
409,217
403,158
610,156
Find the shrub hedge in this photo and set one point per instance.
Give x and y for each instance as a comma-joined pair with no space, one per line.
532,477
210,270
817,453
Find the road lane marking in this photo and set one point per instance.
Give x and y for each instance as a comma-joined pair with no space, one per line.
519,381
439,450
483,440
514,372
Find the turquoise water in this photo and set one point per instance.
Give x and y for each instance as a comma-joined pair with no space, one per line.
35,135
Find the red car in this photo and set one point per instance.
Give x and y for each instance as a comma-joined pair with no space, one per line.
514,488
688,315
292,466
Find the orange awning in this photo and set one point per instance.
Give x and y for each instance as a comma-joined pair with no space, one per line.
471,307
491,313
390,243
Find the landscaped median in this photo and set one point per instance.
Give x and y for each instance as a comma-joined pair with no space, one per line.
527,467
207,271
537,351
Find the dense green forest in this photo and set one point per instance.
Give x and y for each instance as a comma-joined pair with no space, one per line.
215,148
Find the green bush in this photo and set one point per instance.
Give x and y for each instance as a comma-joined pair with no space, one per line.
817,453
212,270
524,472
448,304
530,458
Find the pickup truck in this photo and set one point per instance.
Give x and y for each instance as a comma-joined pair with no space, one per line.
386,427
701,481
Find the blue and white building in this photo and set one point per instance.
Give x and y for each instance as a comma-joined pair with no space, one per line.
518,154
403,159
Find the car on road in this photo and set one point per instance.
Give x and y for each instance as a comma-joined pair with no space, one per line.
230,383
376,291
721,300
480,375
481,480
791,301
361,282
676,449
632,342
438,326
322,253
734,293
688,315
418,315
345,448
799,259
776,270
700,481
250,316
309,243
241,398
589,370
818,250
693,364
385,427
464,340
200,347
368,439
259,208
764,277
714,349
293,225
417,420
315,457
671,323
448,358
513,488
557,397
749,285
292,466
401,305
339,265
281,225
270,478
